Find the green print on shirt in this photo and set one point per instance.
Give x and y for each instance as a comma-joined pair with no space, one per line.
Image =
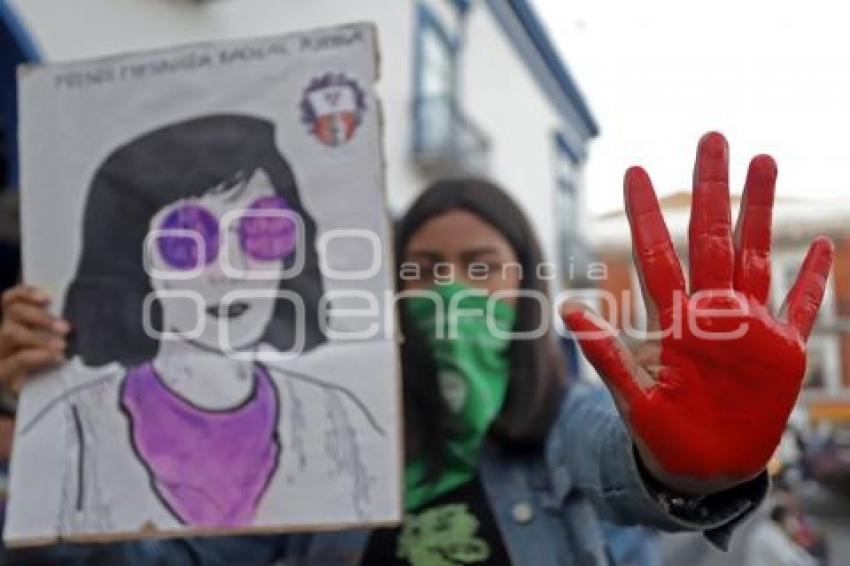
442,536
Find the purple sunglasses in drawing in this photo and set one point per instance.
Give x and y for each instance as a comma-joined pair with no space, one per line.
264,235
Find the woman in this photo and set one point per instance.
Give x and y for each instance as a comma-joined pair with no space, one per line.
510,464
179,395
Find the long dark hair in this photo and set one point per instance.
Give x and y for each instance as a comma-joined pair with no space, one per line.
177,161
537,381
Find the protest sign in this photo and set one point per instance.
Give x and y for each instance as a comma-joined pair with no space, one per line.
211,220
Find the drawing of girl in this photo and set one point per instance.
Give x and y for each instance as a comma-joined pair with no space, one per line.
197,250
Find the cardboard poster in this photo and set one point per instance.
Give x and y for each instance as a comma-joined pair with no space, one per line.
211,220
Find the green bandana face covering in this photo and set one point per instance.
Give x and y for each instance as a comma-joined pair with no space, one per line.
469,336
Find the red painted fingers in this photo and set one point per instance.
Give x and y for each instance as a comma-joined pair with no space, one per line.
657,263
805,296
710,238
605,351
753,230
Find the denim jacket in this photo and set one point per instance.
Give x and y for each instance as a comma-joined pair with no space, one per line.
548,508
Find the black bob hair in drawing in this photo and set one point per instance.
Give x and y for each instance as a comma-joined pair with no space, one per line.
104,301
538,370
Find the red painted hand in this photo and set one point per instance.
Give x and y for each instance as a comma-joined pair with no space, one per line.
707,399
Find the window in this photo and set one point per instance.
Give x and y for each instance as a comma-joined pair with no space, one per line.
566,210
437,63
445,140
434,82
568,215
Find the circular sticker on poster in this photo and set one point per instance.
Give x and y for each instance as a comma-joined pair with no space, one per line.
332,108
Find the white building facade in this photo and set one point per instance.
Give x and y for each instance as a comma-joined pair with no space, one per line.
468,87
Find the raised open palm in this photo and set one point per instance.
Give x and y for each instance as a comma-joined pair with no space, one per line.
707,399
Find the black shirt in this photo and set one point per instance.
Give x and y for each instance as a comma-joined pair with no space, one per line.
457,528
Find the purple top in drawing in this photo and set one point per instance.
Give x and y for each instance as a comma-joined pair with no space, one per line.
209,467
